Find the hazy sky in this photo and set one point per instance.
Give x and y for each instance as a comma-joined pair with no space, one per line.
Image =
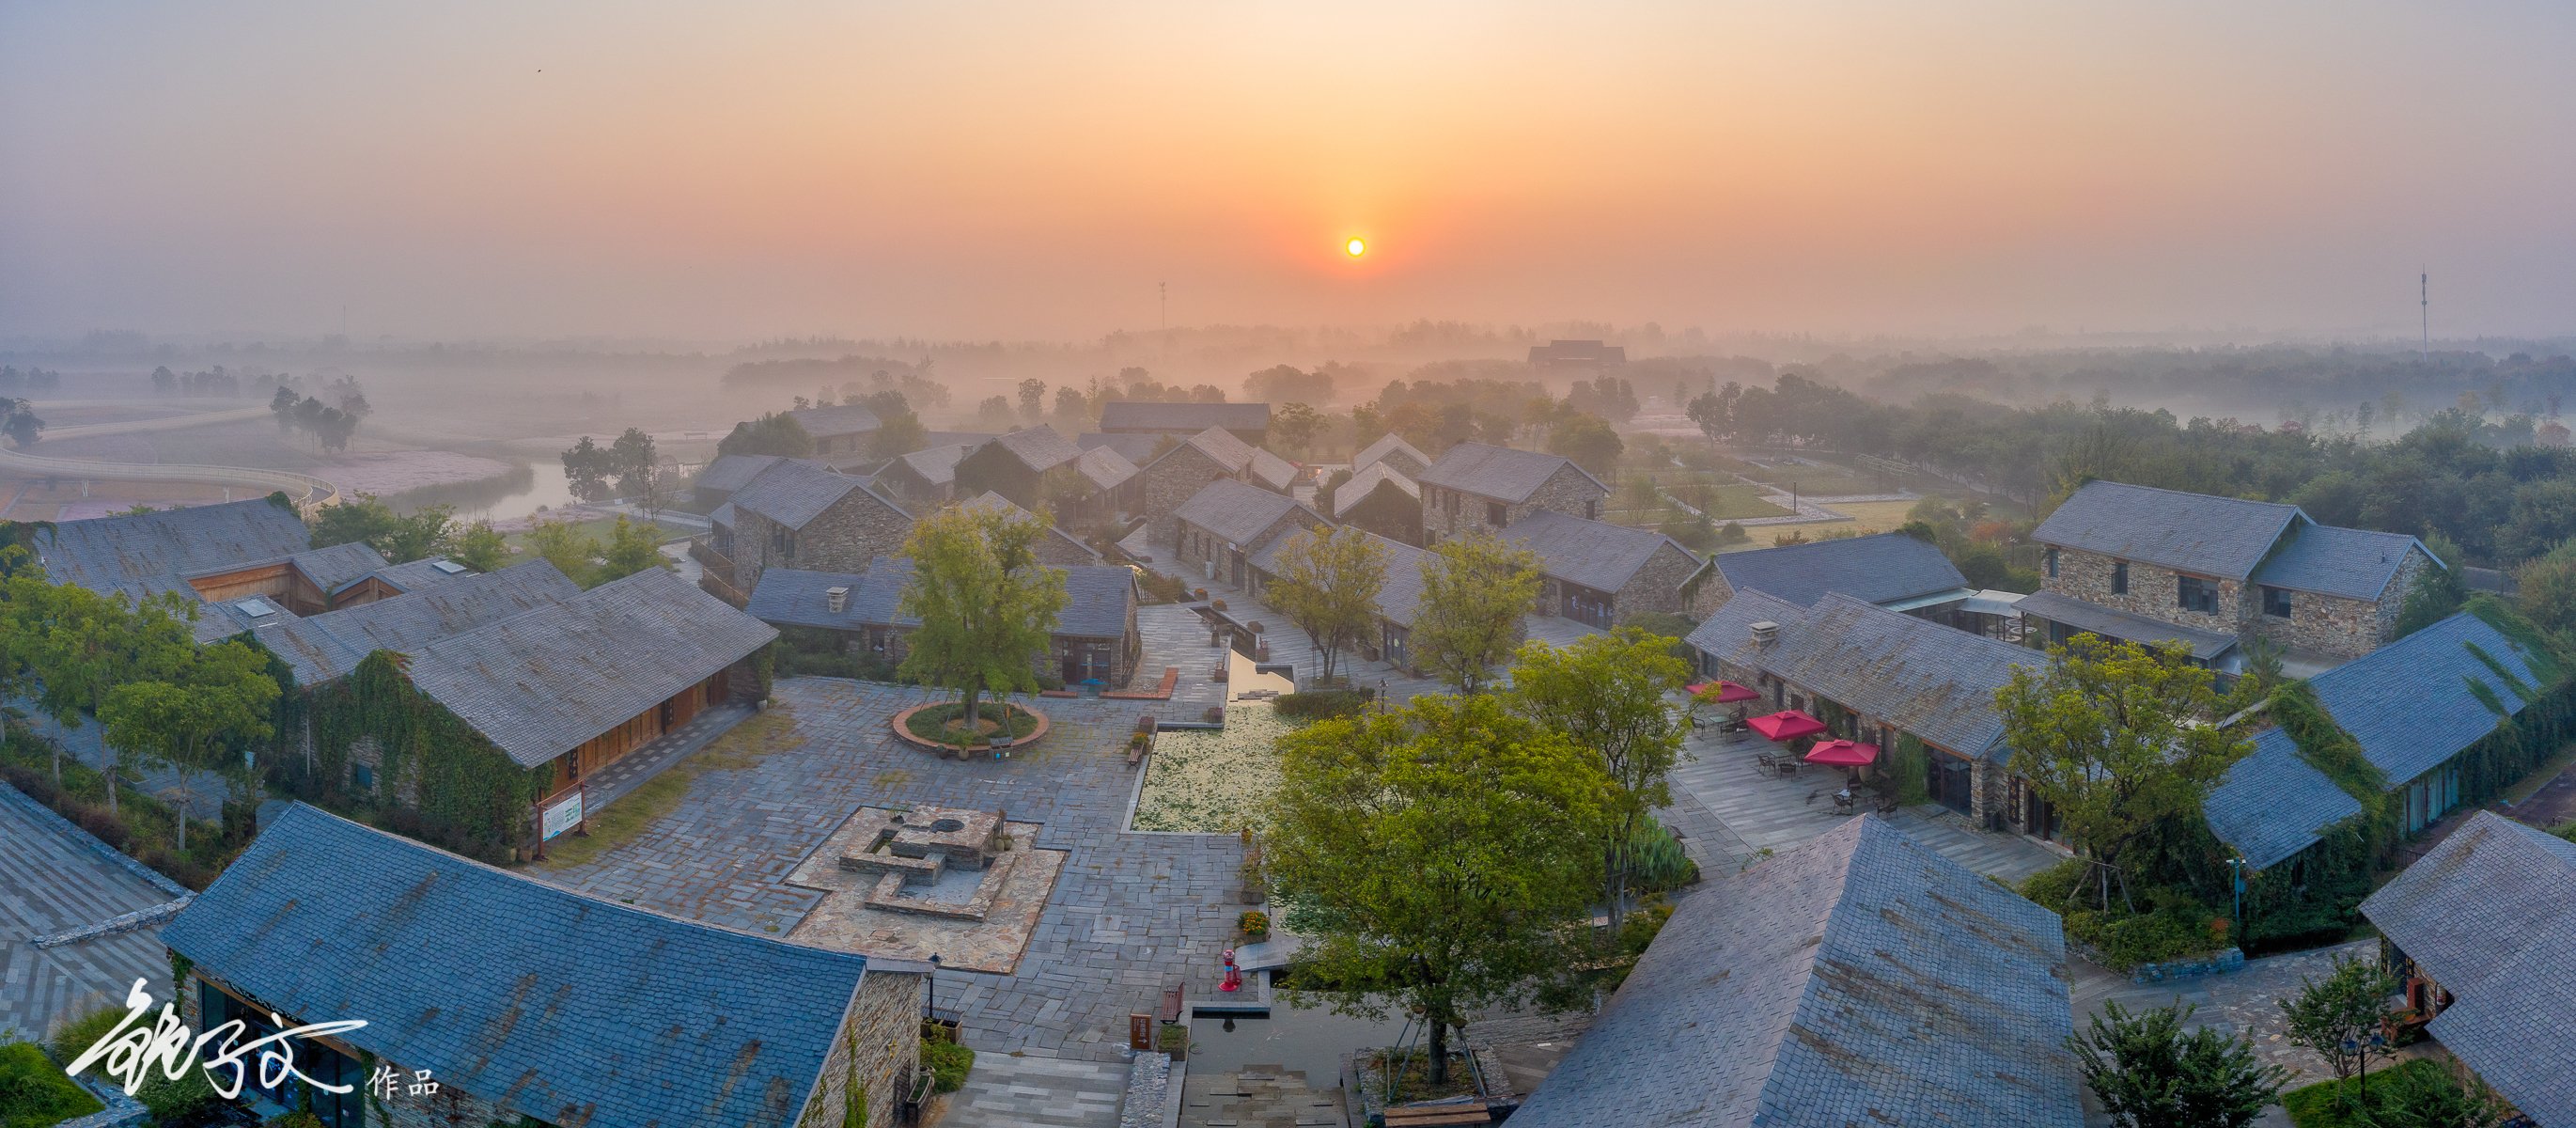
1021,170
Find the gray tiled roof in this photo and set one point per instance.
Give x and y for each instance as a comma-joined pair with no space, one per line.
1501,473
2352,563
1389,443
936,465
2408,703
1271,470
330,645
2490,913
1129,415
1595,554
1401,597
540,683
1878,569
1366,482
991,500
2122,625
1240,457
419,574
1933,681
338,566
1859,979
217,621
1039,448
1727,633
1138,449
1106,469
789,597
734,471
572,1008
1098,598
2216,536
1236,512
2272,804
111,554
845,419
793,493
723,517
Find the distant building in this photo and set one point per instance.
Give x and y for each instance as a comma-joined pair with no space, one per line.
928,475
1208,456
1094,637
1226,522
1398,455
1040,467
1249,422
1584,356
1892,570
525,1001
1476,487
1057,547
841,432
1599,573
1861,978
1397,603
1136,448
1382,500
796,516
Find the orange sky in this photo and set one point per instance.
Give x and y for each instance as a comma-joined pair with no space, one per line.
1032,170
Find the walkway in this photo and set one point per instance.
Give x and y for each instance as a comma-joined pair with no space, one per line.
1004,1091
53,879
630,771
1260,1096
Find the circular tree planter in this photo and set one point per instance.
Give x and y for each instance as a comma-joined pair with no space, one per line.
946,750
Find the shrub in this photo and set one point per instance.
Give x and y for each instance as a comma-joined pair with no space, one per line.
2411,1092
929,723
1324,704
33,1091
1254,923
947,1062
1732,532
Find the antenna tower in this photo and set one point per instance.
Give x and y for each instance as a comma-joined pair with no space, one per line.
2424,298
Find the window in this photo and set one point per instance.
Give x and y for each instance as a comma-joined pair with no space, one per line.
1494,514
2276,603
2052,563
2191,593
1449,499
2120,577
1592,509
364,775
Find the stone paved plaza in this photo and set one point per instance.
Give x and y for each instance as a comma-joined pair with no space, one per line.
1036,1092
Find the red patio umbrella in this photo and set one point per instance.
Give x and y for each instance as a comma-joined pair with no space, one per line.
1843,754
1788,725
1727,692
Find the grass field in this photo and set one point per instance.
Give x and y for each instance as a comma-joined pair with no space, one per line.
599,530
1737,502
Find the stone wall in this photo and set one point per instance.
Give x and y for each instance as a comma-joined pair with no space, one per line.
1712,593
1064,552
847,537
1657,585
1171,480
879,1049
2152,592
2343,628
2393,600
1568,491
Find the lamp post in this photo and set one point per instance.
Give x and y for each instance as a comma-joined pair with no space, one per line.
934,987
2237,878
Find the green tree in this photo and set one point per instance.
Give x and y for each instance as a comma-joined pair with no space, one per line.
1586,439
2545,589
635,463
418,535
27,631
985,604
1606,693
482,549
109,645
775,433
2349,1007
631,548
1328,586
587,469
1032,392
1296,426
198,695
2149,1072
18,421
2437,593
1436,857
1475,590
899,435
2115,736
562,544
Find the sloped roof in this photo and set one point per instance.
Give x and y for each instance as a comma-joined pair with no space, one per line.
1881,568
2273,804
936,465
1098,598
330,645
1933,681
790,597
1239,457
1271,470
2409,704
2214,536
1039,448
2490,913
793,493
1727,633
540,683
2122,625
1595,554
1138,449
1236,512
1389,443
2332,560
113,554
991,500
1501,473
1861,978
845,419
421,573
460,968
1130,415
734,471
1401,596
723,516
335,568
1105,468
218,620
1366,482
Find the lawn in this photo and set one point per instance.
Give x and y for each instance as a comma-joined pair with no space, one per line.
2316,1107
1214,781
599,530
1739,502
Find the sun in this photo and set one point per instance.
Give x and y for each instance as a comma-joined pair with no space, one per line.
1356,247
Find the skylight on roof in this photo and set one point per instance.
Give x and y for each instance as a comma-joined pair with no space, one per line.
255,607
448,566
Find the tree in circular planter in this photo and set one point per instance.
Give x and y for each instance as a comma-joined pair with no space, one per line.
985,603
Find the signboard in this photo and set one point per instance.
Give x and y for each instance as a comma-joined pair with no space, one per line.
1140,1032
563,816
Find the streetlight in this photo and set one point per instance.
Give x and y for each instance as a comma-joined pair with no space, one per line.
934,987
2237,877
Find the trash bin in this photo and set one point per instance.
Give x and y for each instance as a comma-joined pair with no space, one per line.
1091,687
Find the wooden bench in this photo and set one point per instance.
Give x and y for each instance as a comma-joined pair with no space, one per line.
1171,1008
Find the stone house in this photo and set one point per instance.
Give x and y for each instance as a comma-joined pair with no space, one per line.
1398,601
927,476
1136,449
1396,454
1889,569
1094,637
1885,674
1039,467
1382,500
2148,565
325,648
1577,356
1057,547
1599,573
523,1001
796,516
1489,488
2482,934
841,433
729,473
1249,423
1860,978
1226,522
1211,455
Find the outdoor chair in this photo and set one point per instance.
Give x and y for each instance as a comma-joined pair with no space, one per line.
1887,804
1766,762
1843,805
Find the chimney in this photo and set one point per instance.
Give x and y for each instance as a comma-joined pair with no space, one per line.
836,600
1764,634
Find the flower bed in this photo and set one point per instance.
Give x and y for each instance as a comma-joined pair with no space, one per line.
927,726
1214,781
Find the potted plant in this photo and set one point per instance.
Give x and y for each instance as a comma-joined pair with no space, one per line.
1198,593
1255,925
1218,604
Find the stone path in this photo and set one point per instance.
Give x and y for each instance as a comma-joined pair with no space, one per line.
630,771
1258,1096
52,880
1003,1091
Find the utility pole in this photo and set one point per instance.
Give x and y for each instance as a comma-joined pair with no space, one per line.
2424,298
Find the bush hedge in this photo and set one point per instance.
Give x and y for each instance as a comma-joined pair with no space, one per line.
143,827
947,1062
1323,705
33,1091
929,724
